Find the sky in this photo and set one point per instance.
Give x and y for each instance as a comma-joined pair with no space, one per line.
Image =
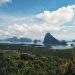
34,18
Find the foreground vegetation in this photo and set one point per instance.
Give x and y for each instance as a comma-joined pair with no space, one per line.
33,60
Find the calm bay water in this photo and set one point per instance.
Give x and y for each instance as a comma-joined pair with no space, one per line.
68,46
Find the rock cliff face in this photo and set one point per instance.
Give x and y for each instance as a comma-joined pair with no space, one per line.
50,40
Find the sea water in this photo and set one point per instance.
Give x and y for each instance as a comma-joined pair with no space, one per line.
68,46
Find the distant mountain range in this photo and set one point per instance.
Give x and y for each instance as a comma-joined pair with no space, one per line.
15,39
48,40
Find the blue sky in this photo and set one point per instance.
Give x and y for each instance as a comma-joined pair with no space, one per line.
32,18
30,7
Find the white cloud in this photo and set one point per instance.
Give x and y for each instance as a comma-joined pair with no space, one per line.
2,2
27,30
55,22
58,17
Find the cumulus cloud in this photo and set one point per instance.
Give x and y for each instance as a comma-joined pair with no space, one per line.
51,21
2,2
58,17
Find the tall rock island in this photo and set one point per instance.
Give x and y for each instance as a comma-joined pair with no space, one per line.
50,40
